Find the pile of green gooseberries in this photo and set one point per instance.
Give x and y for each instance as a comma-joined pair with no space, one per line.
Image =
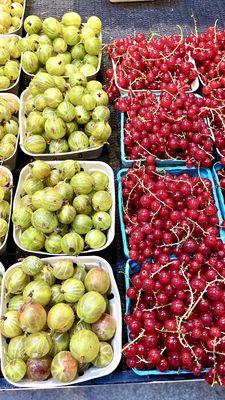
62,47
9,60
11,12
57,319
63,209
5,200
65,116
9,127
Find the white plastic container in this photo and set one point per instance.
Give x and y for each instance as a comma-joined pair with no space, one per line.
11,161
88,154
88,166
194,85
2,271
4,244
115,311
14,88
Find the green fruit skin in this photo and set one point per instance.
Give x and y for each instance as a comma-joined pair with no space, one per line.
60,343
91,306
39,291
64,367
73,289
103,360
84,346
38,344
60,318
15,370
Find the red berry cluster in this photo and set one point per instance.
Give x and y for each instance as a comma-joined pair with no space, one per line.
155,63
208,51
168,214
215,104
177,315
111,88
167,127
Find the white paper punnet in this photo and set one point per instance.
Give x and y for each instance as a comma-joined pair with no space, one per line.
19,31
90,153
14,88
11,161
4,244
115,311
88,166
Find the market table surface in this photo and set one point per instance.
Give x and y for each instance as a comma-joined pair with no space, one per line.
161,16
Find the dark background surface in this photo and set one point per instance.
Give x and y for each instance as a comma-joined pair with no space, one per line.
121,19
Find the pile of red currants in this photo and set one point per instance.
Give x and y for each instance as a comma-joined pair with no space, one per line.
167,127
155,63
176,317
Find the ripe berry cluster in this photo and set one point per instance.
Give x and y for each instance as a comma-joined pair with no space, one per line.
208,51
177,315
155,63
167,127
168,214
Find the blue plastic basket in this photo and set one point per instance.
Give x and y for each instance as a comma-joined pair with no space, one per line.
132,268
217,167
204,173
159,162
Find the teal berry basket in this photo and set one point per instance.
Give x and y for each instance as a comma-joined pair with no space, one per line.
132,268
177,170
217,167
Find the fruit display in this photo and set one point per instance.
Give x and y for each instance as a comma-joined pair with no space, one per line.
216,106
9,61
64,117
154,63
62,47
9,126
167,127
60,315
208,50
11,14
57,320
176,314
6,184
64,207
169,212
